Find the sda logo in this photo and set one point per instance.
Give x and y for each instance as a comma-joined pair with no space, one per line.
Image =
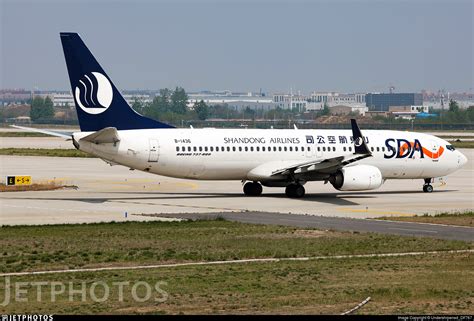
94,93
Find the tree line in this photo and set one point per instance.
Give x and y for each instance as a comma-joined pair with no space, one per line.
41,108
172,106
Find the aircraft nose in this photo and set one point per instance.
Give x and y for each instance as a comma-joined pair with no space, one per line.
462,159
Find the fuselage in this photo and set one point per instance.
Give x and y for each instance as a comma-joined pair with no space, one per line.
231,154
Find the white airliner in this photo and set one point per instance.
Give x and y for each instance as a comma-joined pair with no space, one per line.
350,161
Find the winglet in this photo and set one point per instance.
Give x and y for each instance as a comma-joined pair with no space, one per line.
360,146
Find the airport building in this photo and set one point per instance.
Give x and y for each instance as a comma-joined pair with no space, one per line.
290,101
14,96
335,98
236,102
382,102
344,110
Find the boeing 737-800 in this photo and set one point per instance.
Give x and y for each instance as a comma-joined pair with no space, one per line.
288,158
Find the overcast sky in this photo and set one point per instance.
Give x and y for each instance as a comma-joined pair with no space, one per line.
245,45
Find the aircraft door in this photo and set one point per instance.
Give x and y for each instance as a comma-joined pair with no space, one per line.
434,151
310,147
310,150
154,150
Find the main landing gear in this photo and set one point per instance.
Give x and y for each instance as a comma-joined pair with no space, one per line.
252,189
427,187
295,190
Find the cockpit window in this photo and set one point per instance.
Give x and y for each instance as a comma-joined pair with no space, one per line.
450,147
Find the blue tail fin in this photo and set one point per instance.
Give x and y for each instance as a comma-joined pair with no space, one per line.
98,102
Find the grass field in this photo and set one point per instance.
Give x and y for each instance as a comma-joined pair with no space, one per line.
23,134
44,152
442,283
462,144
461,219
454,137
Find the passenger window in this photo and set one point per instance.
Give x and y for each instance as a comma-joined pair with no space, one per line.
205,149
324,149
211,148
233,148
344,148
371,148
350,149
296,148
383,149
246,148
195,148
189,148
228,148
258,149
240,148
309,149
279,148
378,149
274,148
302,149
251,148
334,149
263,148
177,148
291,149
284,148
200,148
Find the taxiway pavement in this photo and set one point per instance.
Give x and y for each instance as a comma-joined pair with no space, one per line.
106,193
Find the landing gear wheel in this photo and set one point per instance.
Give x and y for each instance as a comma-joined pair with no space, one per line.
295,191
252,189
427,188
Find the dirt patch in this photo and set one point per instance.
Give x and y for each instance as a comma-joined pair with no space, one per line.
34,187
310,233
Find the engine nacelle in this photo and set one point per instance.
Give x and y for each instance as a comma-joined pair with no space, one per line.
357,178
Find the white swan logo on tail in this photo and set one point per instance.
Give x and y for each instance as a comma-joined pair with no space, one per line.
94,93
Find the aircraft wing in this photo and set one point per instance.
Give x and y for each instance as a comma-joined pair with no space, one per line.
103,136
327,165
361,151
319,165
67,135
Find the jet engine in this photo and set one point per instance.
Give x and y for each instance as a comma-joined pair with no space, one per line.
357,178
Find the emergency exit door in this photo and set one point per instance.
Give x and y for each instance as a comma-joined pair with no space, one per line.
154,151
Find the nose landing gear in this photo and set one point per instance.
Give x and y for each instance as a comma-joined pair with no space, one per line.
427,187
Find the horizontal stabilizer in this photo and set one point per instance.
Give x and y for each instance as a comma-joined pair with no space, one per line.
103,136
46,132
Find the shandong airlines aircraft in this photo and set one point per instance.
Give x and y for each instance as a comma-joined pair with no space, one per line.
349,159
